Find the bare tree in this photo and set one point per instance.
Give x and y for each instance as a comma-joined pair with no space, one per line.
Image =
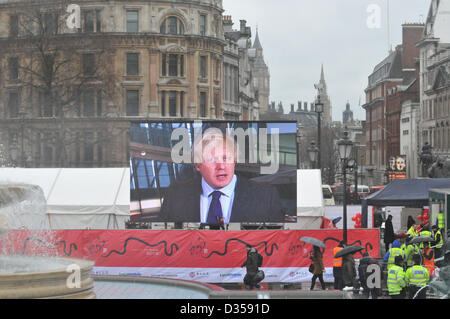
62,72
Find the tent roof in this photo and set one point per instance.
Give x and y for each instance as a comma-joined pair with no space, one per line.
76,187
407,192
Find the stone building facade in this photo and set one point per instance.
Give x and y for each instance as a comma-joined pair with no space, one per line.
391,83
434,114
67,96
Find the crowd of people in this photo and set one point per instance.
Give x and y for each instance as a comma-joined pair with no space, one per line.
411,263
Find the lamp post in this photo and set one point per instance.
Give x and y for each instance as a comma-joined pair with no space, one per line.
313,152
319,110
345,149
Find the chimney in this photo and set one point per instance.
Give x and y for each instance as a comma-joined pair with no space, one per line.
305,105
299,106
292,107
227,23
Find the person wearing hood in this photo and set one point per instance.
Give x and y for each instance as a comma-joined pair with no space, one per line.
389,257
389,235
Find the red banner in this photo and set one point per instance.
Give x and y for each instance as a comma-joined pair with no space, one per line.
137,250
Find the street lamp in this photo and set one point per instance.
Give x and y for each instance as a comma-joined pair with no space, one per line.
319,110
345,146
313,151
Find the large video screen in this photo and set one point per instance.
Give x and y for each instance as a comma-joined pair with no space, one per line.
214,173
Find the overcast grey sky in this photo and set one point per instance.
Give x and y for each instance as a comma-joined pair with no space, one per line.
299,35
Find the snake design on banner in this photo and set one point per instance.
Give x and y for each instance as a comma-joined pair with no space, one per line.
42,241
173,247
265,243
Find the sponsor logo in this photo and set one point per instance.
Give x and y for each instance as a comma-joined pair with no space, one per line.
230,275
130,274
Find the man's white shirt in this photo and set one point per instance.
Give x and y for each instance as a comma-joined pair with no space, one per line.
226,200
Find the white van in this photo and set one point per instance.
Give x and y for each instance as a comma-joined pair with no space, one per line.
328,198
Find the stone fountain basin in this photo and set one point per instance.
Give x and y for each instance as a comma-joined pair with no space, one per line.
45,277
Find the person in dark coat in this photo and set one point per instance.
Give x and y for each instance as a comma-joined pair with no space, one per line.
349,271
363,275
253,276
389,235
318,268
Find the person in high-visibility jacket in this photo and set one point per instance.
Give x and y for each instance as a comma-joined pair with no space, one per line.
412,231
410,251
417,278
438,241
428,258
396,279
425,233
389,257
337,268
441,220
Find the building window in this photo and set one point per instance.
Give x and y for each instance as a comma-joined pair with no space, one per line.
172,103
182,103
202,104
50,23
132,102
88,147
172,25
203,66
132,63
46,105
13,104
172,65
202,25
132,21
217,70
14,25
163,103
88,64
405,120
13,68
92,103
406,132
92,21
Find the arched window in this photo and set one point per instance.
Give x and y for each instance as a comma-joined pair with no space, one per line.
172,25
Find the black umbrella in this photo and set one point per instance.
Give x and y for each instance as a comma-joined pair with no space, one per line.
420,239
348,250
313,241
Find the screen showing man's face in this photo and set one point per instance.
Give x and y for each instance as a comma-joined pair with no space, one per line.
217,166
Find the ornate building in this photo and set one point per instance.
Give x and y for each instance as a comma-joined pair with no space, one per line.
67,96
261,75
434,114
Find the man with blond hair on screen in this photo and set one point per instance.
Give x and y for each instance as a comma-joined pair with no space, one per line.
218,196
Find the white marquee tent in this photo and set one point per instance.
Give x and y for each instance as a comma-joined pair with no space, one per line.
310,206
79,198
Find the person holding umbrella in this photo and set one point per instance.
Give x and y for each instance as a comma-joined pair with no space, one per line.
337,267
318,268
348,265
